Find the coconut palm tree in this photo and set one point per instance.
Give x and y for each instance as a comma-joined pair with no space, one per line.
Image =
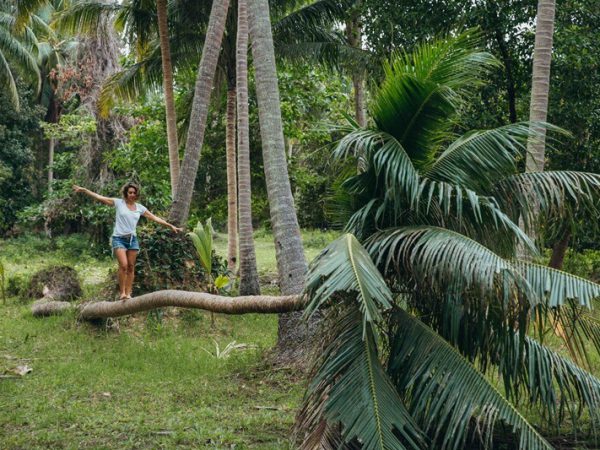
434,300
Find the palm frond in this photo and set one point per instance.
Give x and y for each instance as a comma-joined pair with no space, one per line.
446,392
352,388
130,83
25,9
556,287
201,237
345,266
441,258
556,383
138,19
478,159
18,54
84,17
452,61
557,194
7,81
415,113
422,91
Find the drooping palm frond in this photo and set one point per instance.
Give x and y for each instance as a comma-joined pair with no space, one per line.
554,383
446,392
25,9
441,258
14,51
345,266
84,17
551,194
556,287
351,387
138,20
130,83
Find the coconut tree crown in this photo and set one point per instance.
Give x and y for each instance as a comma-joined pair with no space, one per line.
436,300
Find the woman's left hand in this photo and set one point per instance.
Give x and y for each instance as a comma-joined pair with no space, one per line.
176,229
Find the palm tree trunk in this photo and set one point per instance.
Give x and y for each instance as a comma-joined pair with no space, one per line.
202,92
354,37
165,52
291,264
248,272
540,86
250,304
232,200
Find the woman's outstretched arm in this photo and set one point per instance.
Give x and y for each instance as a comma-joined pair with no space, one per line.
106,200
150,216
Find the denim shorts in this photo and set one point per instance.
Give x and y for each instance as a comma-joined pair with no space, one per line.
126,242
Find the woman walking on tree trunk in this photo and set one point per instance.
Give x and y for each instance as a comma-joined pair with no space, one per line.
124,240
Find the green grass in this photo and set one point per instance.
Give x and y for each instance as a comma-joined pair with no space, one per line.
140,382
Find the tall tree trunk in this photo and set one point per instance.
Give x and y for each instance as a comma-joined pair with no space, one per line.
354,37
510,82
202,92
291,264
232,196
559,250
165,53
51,143
248,272
540,86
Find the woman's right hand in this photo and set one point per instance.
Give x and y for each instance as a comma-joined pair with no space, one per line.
78,188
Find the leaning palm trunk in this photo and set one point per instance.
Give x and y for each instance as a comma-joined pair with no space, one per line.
204,81
291,264
248,273
232,216
198,300
171,116
540,86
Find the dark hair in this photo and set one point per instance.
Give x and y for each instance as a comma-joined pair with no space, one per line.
126,187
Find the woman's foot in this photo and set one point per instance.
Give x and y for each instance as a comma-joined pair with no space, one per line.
128,297
123,297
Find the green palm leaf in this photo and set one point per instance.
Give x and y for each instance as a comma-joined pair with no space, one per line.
422,91
557,194
84,17
345,266
446,392
479,158
352,388
441,258
202,239
556,287
554,382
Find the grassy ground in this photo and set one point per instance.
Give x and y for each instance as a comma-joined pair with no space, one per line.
143,381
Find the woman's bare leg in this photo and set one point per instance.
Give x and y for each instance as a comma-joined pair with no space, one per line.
121,255
131,257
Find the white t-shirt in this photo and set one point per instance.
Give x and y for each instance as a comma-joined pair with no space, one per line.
125,219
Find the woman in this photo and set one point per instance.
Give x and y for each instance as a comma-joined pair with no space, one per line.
124,241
